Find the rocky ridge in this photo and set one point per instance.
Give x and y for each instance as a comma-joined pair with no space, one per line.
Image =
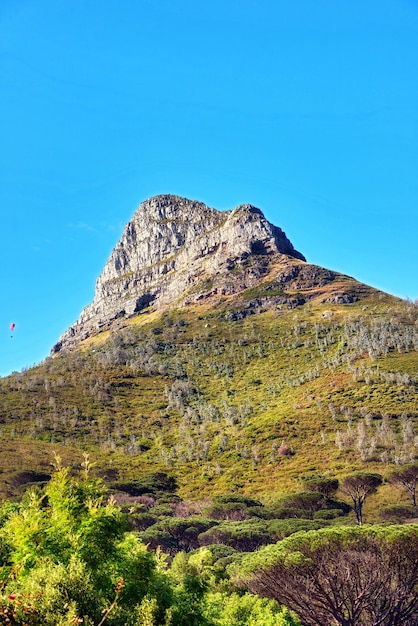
176,251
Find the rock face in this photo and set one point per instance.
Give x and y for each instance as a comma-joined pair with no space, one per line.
176,251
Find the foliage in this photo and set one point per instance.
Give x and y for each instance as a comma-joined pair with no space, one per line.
142,521
221,608
308,501
407,478
359,486
398,513
149,483
26,477
279,529
243,536
233,507
347,576
175,535
248,610
68,557
326,486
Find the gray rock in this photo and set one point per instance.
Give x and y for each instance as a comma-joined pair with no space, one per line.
174,252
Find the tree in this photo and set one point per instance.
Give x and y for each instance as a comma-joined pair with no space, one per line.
306,501
358,486
196,571
319,484
346,576
406,477
243,536
66,557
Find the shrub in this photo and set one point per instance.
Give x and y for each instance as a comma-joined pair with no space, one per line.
398,513
279,529
248,610
227,511
326,486
175,535
141,521
327,514
162,510
243,536
244,500
220,551
149,484
154,538
26,477
280,512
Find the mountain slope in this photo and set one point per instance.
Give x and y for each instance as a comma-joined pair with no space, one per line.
292,370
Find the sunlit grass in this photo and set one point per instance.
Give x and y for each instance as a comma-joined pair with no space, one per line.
212,400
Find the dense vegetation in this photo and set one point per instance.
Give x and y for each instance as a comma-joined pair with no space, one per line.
345,576
69,555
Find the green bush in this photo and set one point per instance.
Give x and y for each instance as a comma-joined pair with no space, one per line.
232,511
398,513
248,610
279,529
326,486
243,536
162,510
176,534
327,514
308,501
281,512
141,521
26,477
220,551
152,483
156,538
67,558
244,500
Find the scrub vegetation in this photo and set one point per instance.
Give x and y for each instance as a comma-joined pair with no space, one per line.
68,557
225,400
194,440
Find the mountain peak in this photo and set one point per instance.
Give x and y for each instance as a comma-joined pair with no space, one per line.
170,251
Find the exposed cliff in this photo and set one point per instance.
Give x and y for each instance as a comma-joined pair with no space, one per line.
175,251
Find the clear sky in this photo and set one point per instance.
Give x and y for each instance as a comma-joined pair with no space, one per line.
307,109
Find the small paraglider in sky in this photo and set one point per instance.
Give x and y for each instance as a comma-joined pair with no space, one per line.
12,327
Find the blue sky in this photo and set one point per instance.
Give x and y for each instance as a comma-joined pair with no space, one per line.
306,109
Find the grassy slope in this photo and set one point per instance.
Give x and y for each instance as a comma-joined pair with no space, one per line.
245,405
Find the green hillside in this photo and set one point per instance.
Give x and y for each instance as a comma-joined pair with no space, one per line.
244,394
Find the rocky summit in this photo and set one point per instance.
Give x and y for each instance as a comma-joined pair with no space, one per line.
176,251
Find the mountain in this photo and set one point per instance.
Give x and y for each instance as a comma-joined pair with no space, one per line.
175,252
215,353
